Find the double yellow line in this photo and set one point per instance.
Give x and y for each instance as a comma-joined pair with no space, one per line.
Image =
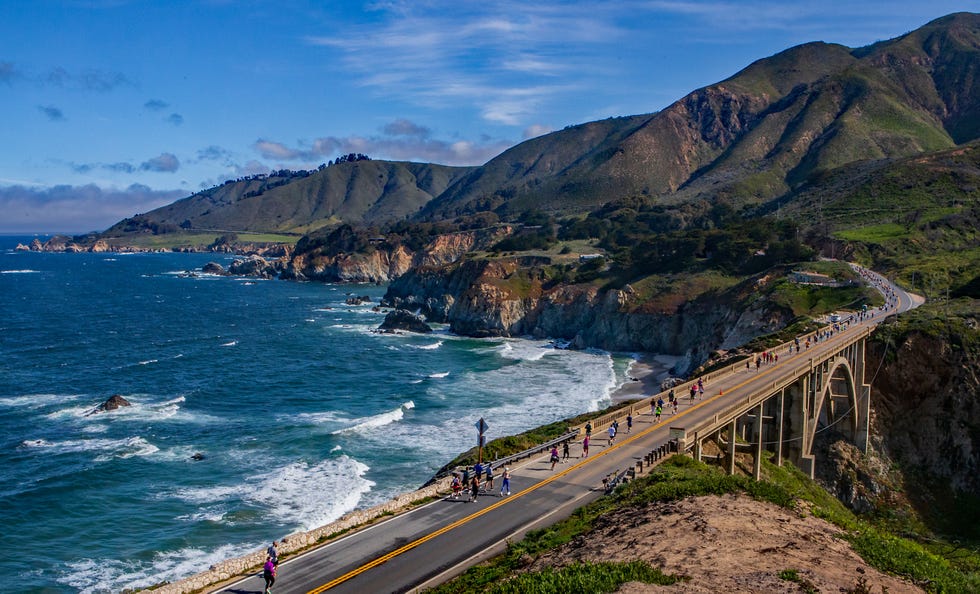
420,541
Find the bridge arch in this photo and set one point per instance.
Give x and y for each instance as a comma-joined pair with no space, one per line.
836,402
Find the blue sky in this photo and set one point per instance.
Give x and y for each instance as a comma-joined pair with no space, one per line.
109,108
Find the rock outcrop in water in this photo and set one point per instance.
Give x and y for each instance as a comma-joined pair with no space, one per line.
401,319
114,402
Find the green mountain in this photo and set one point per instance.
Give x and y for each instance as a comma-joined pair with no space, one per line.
770,131
359,192
754,136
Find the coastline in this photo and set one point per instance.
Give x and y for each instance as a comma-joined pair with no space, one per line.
647,371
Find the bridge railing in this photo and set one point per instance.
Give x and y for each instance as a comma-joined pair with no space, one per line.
744,404
604,421
533,450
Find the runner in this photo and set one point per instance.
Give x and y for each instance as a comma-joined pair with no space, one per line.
564,451
505,484
554,456
629,423
269,574
659,410
474,489
588,429
612,434
585,446
457,486
273,552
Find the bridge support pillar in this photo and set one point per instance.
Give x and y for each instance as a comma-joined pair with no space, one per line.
731,446
863,411
757,466
797,424
779,427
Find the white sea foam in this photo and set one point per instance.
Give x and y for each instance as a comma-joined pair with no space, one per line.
439,375
300,494
96,576
335,448
149,361
110,448
230,344
524,350
34,401
19,271
379,420
317,417
429,347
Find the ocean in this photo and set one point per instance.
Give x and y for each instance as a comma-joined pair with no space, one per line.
300,411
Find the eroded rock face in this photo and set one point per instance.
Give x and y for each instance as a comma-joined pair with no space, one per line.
214,268
254,266
510,297
401,319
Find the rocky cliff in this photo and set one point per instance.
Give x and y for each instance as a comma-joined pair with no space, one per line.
924,368
516,297
386,260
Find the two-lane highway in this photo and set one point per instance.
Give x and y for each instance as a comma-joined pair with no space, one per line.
427,544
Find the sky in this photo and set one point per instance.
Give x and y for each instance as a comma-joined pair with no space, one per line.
110,108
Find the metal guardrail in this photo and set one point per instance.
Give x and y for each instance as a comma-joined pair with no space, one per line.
533,450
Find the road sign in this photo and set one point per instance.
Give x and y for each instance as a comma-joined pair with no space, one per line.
481,425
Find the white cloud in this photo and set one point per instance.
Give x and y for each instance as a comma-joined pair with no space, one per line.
401,140
165,163
506,60
535,130
75,209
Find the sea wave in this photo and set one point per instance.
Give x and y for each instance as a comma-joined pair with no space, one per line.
429,347
110,448
438,375
379,420
19,271
292,495
34,401
230,344
93,576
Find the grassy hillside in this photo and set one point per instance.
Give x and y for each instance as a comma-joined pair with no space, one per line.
916,216
754,136
361,192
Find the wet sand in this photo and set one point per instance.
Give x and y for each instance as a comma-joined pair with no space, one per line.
649,370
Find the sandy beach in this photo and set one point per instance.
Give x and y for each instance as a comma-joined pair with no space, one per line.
648,371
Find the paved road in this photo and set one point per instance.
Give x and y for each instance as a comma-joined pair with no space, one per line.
424,546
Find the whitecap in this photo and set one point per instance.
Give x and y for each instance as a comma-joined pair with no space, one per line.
149,361
429,347
111,448
379,420
37,400
438,375
294,494
19,271
230,344
95,576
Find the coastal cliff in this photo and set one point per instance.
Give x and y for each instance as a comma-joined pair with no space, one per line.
343,257
924,460
518,297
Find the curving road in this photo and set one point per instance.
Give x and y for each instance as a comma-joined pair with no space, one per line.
429,544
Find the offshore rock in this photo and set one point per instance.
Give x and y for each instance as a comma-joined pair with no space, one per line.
402,319
114,402
214,268
253,266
